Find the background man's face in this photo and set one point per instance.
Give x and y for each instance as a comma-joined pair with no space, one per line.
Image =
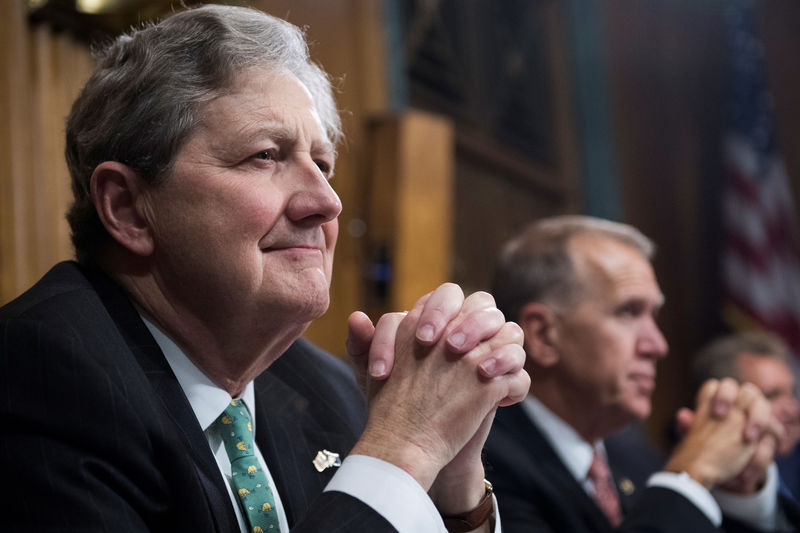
776,381
609,341
246,222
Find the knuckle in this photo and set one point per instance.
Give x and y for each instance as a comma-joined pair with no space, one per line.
389,318
515,333
750,389
434,313
729,384
495,314
709,387
449,286
482,296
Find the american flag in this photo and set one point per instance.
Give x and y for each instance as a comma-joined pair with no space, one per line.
761,272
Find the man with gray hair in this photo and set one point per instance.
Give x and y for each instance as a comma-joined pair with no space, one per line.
160,383
585,294
762,359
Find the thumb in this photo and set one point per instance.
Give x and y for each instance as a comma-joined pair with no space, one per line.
359,337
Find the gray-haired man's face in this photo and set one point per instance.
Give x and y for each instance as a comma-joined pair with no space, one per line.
246,224
609,342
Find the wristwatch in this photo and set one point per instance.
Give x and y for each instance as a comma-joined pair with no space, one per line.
471,520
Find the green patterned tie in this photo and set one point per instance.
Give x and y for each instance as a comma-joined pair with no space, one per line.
249,480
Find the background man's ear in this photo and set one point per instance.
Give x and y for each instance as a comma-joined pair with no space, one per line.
538,322
115,191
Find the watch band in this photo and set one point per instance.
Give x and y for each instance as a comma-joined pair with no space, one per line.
471,520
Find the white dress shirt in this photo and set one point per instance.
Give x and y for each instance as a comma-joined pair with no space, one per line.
757,510
379,484
208,401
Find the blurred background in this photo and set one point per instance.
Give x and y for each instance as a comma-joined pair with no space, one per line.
467,119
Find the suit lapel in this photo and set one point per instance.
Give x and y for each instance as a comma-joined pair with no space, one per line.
289,436
628,485
546,462
632,459
173,401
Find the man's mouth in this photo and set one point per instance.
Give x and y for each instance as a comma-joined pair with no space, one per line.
644,380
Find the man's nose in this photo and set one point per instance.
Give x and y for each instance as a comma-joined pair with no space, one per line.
314,198
652,341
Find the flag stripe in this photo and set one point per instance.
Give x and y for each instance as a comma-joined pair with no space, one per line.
761,271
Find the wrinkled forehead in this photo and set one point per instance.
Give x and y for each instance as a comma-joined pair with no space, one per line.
266,102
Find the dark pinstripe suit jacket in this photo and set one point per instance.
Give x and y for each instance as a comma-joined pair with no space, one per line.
97,435
537,494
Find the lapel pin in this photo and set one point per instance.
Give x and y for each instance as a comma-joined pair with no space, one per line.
626,486
326,459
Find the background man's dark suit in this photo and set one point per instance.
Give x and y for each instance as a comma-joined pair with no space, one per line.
74,351
536,492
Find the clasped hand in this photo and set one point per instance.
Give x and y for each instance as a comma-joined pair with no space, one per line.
433,378
730,439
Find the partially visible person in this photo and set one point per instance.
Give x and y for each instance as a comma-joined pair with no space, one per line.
160,383
585,294
760,358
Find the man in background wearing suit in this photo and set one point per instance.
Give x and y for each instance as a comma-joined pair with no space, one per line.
160,383
762,359
584,292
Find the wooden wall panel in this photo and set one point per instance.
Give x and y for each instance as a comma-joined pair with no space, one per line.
499,190
13,102
410,218
424,207
42,73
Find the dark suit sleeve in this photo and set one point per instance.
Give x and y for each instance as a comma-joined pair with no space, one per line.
74,454
540,510
308,401
661,510
657,511
337,512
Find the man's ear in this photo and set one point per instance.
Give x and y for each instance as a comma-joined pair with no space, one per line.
538,322
116,190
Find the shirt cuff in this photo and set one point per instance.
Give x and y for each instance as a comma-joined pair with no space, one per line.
390,491
497,527
759,510
691,490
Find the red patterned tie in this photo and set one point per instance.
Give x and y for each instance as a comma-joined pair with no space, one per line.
604,492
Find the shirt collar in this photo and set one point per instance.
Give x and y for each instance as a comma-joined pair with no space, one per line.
574,452
206,398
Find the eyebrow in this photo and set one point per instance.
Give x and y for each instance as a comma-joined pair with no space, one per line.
283,135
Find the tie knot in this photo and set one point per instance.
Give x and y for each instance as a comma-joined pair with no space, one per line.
235,427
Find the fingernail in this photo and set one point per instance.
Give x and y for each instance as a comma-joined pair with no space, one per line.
425,333
720,409
488,367
752,432
457,340
377,369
